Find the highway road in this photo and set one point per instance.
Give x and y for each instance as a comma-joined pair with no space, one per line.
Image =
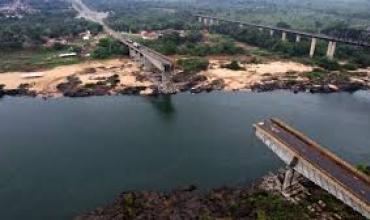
99,17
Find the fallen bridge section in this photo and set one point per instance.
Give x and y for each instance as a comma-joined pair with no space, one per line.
317,164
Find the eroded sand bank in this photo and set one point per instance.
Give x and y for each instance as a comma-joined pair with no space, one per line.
88,72
130,75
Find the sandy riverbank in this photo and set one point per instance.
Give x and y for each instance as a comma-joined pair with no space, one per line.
96,77
88,72
252,73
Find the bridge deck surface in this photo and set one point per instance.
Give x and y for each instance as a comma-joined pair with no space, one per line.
346,177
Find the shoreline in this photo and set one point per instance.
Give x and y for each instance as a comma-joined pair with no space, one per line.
125,77
227,202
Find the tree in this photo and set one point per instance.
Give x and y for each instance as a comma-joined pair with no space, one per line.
282,24
108,47
193,65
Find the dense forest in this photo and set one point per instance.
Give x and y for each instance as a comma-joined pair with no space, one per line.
53,19
47,19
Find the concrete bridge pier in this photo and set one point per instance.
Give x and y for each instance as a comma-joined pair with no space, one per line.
290,179
313,47
205,21
147,65
211,21
166,86
134,54
298,38
272,33
200,20
283,36
331,50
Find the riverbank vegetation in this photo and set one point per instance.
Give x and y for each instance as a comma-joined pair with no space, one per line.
222,203
33,60
363,168
109,47
354,56
193,65
193,43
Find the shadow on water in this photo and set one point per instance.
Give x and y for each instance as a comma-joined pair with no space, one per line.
163,104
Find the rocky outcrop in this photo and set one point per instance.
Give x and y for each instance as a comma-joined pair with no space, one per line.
239,202
184,203
74,88
313,86
22,90
132,90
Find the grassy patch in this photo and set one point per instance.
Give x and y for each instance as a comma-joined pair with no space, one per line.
363,168
33,60
274,207
193,65
316,74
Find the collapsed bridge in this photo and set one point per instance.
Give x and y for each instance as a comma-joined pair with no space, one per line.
317,164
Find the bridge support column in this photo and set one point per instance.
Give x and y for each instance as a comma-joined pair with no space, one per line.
313,47
272,33
200,20
147,66
211,22
166,86
283,36
298,38
133,54
288,179
205,21
331,50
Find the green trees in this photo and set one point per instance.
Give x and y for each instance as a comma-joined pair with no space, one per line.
108,47
283,24
192,44
357,56
34,28
193,65
365,169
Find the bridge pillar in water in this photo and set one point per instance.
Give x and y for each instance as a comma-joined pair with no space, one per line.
283,36
298,38
272,33
313,47
331,50
166,86
200,20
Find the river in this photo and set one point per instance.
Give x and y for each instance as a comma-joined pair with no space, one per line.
65,156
